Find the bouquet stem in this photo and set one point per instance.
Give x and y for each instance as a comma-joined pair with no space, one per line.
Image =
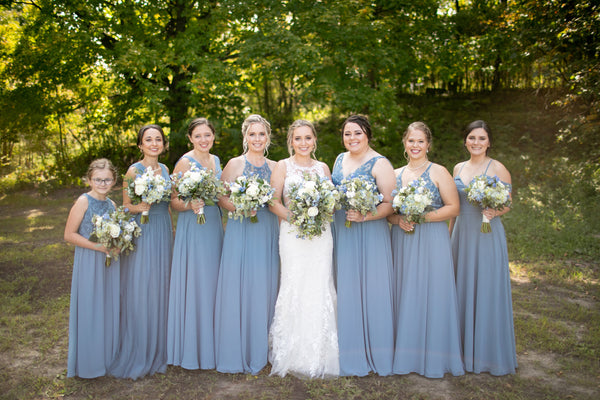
200,218
108,260
144,218
486,227
411,232
254,219
348,224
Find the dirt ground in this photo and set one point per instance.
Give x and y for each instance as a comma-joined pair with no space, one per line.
33,354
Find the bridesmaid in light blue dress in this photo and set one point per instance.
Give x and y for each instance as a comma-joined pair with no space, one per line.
363,260
94,311
249,272
195,266
481,263
145,274
427,331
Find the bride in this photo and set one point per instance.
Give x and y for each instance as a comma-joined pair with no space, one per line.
303,335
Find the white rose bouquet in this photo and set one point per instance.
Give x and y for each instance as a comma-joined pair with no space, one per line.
312,202
198,184
360,195
115,231
488,192
148,188
248,194
413,201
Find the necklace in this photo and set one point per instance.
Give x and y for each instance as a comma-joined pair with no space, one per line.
417,167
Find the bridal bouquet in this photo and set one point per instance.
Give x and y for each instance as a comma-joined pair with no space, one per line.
359,194
488,192
148,188
312,202
413,201
198,184
115,231
248,194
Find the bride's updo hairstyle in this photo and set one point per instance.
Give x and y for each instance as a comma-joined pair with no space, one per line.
297,124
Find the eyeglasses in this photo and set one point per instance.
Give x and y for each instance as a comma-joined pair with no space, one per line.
106,181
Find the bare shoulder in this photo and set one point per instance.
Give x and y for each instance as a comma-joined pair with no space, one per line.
497,168
271,164
439,171
457,168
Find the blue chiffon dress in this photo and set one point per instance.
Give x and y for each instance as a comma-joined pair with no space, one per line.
483,290
363,266
427,330
247,289
145,274
94,310
194,272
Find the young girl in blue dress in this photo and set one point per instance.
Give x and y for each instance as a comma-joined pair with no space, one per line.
94,311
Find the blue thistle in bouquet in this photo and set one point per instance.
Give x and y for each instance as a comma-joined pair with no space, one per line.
248,194
488,192
115,231
198,184
149,188
413,201
312,201
359,194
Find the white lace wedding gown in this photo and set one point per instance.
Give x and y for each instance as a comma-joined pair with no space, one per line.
303,335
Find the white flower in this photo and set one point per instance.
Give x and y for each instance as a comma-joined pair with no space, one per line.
312,211
115,230
252,190
139,188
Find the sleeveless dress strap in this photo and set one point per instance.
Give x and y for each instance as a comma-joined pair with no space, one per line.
461,168
427,170
486,168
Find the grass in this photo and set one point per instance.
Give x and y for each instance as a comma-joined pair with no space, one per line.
553,232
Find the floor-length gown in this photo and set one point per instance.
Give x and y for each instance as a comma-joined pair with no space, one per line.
303,335
427,330
247,288
145,274
483,291
94,310
194,272
363,266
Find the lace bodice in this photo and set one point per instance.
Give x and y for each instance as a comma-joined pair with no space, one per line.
218,170
437,198
95,207
294,173
263,171
364,171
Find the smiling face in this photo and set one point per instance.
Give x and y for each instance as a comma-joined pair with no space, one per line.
202,137
256,138
102,181
152,143
416,145
303,141
355,138
477,142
